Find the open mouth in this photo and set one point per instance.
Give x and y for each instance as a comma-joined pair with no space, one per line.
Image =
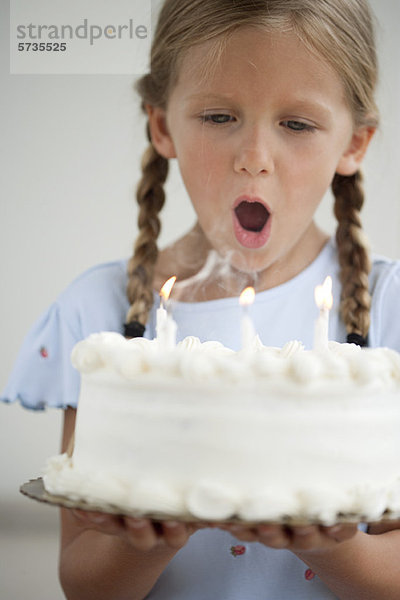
251,223
252,216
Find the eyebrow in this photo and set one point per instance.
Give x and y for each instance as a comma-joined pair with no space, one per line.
207,96
297,103
306,104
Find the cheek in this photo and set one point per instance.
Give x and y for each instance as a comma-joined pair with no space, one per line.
201,169
204,147
311,175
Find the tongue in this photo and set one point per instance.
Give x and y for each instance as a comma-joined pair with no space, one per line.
252,215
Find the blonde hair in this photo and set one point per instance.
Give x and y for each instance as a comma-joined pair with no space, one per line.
340,31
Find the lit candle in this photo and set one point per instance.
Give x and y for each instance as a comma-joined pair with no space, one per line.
324,301
247,327
166,326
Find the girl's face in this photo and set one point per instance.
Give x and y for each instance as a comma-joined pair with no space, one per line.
258,143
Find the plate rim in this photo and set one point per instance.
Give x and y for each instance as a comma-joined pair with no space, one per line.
35,490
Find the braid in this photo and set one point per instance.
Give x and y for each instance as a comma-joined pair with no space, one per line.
353,252
150,197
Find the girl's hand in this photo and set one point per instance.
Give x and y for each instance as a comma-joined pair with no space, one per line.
311,538
141,534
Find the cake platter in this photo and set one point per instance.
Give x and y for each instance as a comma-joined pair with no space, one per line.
35,490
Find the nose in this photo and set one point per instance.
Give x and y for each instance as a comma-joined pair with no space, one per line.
254,155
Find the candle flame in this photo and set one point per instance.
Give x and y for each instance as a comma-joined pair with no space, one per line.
323,294
247,296
167,288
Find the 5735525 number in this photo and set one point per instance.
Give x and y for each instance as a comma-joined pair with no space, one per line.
42,47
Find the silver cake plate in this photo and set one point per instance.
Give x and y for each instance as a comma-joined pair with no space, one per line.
35,490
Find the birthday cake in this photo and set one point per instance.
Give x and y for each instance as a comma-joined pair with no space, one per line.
263,434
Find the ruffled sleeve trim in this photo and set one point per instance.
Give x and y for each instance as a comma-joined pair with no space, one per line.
43,375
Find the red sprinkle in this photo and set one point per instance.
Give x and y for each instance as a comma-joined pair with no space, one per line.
43,352
309,575
238,550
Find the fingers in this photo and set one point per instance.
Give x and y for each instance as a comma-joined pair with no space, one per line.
140,533
311,537
305,538
340,533
144,535
274,536
176,534
102,522
293,538
242,533
320,537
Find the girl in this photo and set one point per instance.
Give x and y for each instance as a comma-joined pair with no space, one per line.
265,105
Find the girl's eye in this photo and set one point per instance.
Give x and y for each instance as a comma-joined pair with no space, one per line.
217,119
298,126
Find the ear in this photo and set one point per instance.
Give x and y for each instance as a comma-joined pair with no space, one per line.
160,136
353,156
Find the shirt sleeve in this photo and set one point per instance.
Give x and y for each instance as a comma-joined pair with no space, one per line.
43,375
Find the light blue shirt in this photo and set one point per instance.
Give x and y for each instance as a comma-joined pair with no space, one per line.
205,568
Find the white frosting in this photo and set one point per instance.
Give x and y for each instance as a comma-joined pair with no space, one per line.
156,496
212,500
321,501
207,432
342,362
269,504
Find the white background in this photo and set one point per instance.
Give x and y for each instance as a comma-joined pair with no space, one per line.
70,155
